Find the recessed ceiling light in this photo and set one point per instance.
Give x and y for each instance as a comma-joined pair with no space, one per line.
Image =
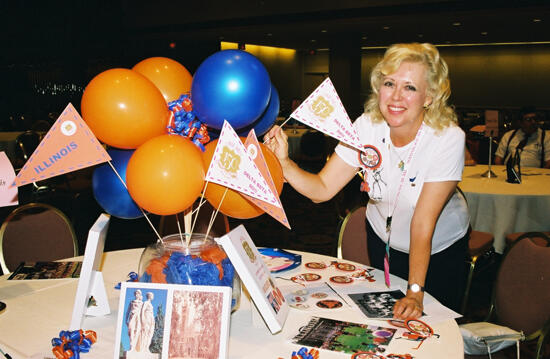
386,28
457,23
484,33
537,20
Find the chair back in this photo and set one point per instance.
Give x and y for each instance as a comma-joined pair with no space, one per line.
26,143
522,289
352,237
169,224
36,232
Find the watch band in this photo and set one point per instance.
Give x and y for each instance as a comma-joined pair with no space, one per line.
415,288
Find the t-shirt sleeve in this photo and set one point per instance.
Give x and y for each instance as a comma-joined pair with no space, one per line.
347,153
447,162
547,146
501,149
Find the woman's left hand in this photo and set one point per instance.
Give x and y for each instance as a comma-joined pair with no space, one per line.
408,307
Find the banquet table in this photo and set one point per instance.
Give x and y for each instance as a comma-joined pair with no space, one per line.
38,309
500,208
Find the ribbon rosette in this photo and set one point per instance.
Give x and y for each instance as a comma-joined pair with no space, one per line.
70,344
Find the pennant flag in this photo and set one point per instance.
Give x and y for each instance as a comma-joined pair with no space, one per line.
232,167
8,189
69,145
254,151
324,111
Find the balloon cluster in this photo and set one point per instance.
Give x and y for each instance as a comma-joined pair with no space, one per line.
155,117
70,344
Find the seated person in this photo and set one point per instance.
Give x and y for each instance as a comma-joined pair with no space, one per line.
532,142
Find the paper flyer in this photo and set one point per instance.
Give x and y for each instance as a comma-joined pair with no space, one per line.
8,190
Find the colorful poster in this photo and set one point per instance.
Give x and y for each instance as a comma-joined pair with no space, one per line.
346,337
324,111
68,146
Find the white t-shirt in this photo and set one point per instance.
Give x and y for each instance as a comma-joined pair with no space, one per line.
436,156
531,154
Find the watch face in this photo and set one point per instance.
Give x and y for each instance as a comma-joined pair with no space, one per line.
415,288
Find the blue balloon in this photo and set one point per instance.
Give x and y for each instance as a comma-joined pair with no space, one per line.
109,192
264,123
230,85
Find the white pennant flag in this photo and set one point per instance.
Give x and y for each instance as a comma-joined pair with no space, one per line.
324,111
232,167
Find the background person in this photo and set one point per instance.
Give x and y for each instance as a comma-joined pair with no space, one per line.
532,142
414,160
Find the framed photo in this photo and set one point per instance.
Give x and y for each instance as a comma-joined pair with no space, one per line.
256,277
172,321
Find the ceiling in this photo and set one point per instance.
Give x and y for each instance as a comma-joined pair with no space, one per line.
305,24
34,29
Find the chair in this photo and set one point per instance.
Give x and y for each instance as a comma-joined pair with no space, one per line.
479,244
512,237
35,232
168,224
521,295
352,237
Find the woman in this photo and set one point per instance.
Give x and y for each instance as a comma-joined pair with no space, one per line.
412,160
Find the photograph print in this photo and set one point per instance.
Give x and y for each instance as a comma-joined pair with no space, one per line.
143,310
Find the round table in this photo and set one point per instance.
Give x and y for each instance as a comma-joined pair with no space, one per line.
500,208
37,310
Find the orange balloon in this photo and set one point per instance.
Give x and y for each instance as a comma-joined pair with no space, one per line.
124,109
170,77
234,204
165,175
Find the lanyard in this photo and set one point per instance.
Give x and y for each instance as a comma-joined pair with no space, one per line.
390,214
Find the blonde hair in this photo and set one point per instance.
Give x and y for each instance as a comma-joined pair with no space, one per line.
438,114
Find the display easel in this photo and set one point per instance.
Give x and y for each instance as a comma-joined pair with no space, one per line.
91,298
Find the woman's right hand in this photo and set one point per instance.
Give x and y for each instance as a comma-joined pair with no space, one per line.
277,141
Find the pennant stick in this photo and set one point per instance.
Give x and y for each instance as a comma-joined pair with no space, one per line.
179,229
187,217
215,213
142,211
201,201
281,126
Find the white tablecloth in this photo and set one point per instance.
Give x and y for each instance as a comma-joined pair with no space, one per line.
499,207
38,310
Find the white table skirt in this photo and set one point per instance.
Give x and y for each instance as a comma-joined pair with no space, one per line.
37,310
500,208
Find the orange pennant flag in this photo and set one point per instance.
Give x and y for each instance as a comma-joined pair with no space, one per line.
68,146
253,148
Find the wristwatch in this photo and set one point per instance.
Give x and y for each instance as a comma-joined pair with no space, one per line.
415,288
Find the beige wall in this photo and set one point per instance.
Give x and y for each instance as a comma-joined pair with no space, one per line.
490,76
